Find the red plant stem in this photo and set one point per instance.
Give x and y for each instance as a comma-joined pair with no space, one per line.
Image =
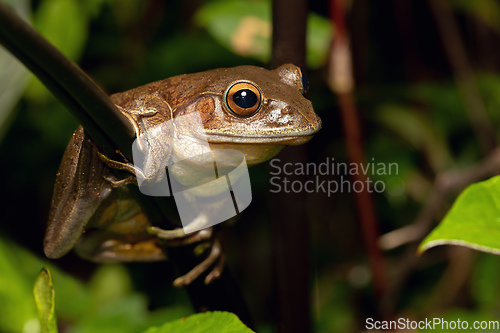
342,83
364,200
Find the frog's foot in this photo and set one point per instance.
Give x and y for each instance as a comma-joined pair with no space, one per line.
215,259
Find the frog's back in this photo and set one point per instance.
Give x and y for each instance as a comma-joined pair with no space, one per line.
102,223
78,191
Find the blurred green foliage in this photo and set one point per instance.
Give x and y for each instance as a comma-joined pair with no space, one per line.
245,27
65,24
106,303
487,11
13,76
111,310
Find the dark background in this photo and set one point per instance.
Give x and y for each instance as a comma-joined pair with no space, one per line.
411,113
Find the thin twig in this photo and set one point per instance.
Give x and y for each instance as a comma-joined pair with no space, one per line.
454,278
464,75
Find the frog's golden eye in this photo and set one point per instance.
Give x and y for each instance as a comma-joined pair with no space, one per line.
243,99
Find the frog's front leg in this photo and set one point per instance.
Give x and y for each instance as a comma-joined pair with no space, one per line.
132,179
177,237
142,117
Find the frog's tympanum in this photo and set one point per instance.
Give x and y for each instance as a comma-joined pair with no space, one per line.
248,109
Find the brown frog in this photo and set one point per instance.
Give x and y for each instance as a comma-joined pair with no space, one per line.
247,109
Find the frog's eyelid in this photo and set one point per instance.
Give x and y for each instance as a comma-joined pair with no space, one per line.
229,86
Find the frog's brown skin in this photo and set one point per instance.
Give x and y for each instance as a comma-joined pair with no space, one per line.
117,227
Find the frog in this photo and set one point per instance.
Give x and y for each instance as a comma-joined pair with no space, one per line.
247,109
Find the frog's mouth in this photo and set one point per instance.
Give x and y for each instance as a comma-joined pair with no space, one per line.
285,138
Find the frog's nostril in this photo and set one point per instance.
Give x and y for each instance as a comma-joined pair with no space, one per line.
286,110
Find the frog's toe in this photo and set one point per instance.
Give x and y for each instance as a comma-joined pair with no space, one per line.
177,237
216,272
216,257
122,182
129,167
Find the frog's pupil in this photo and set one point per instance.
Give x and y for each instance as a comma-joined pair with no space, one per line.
245,98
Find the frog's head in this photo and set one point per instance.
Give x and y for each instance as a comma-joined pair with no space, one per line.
254,110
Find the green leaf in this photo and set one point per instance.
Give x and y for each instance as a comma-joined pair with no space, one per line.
106,304
19,268
207,322
245,28
473,221
44,298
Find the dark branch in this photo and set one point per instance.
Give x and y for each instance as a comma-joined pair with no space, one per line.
83,98
289,32
111,131
290,227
